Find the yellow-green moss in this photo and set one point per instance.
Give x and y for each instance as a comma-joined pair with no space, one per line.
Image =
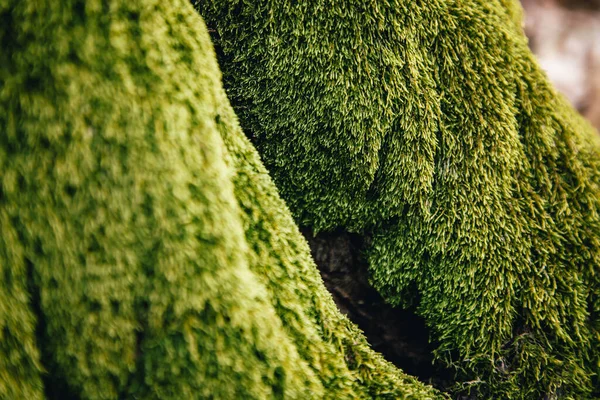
430,127
331,345
145,252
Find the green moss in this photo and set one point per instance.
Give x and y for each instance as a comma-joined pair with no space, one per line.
145,252
430,127
333,347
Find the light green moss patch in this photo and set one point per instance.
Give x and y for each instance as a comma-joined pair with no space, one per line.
145,252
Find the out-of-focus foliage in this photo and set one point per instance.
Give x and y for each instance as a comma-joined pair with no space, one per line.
430,127
144,251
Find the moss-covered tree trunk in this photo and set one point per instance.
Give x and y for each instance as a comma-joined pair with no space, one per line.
429,127
144,250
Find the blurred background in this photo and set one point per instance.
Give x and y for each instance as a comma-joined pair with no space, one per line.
565,35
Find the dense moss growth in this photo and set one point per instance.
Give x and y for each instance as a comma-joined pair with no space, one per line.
332,346
429,127
144,250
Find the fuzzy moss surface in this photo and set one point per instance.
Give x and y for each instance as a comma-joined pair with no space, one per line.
430,127
144,250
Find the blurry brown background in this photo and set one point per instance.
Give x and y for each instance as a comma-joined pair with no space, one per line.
565,35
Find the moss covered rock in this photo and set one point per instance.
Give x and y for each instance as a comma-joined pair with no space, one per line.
429,127
144,251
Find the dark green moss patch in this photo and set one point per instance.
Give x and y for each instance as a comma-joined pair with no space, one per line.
430,127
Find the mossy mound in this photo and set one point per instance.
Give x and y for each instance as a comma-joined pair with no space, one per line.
429,127
144,250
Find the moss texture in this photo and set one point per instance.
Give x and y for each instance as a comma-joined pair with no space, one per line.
144,251
429,127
